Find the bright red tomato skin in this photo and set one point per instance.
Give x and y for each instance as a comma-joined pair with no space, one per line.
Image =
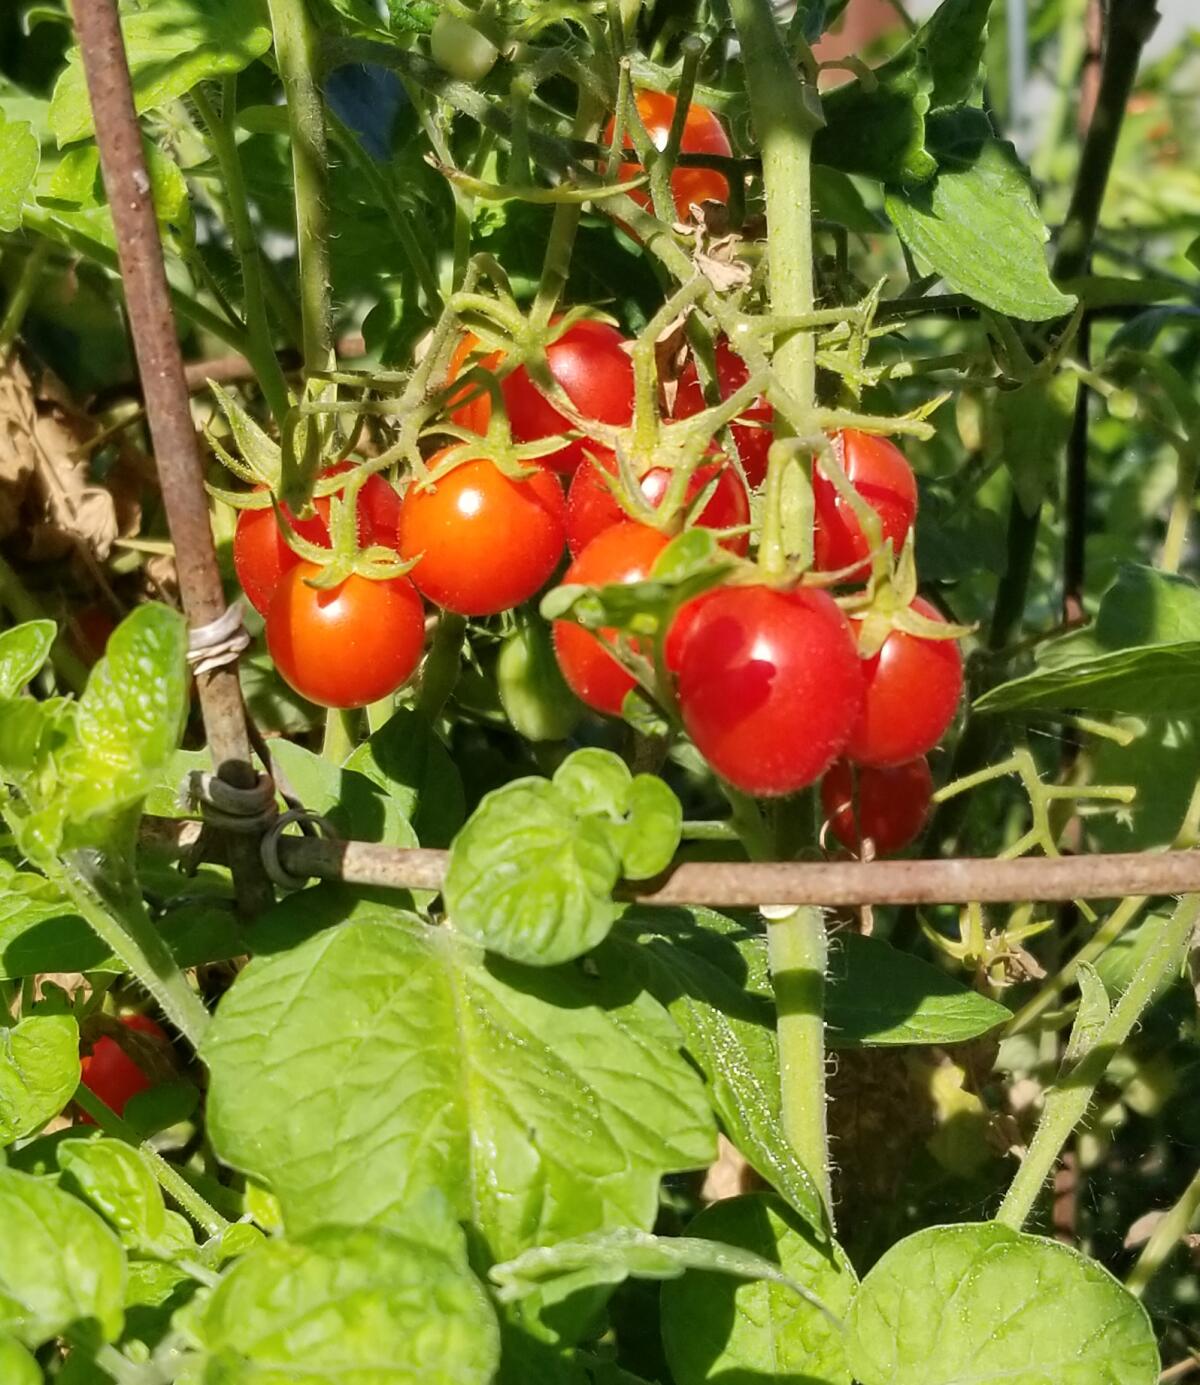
624,553
753,439
349,645
703,133
769,685
591,364
912,691
483,542
892,804
108,1071
261,554
878,471
475,413
592,507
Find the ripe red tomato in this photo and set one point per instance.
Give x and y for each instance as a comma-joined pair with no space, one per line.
624,553
261,554
89,630
883,478
483,542
592,507
753,439
111,1074
770,684
703,133
912,691
475,413
892,804
349,645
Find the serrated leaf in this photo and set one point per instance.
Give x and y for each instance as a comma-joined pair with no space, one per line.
408,761
114,1179
543,1103
39,1071
715,1329
171,45
531,880
60,1266
24,649
978,226
879,995
355,1305
20,155
954,1305
1026,430
611,1257
712,976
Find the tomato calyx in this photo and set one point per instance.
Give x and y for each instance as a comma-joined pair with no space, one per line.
893,605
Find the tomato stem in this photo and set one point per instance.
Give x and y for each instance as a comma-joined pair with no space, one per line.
442,664
340,735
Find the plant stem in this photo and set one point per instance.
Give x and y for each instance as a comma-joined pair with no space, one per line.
296,52
1067,1102
442,664
340,736
798,954
22,295
1181,509
1165,1237
261,352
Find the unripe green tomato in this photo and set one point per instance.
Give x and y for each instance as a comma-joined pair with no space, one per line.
1123,404
460,49
533,692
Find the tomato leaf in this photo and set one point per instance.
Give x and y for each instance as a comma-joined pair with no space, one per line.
20,155
978,226
23,651
75,195
358,806
930,1310
408,761
60,1266
172,45
340,1302
1026,429
39,1071
544,1103
715,1328
114,1179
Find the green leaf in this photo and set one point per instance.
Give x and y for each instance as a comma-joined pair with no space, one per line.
881,996
359,808
1142,606
714,1329
25,648
130,717
172,45
533,692
712,976
611,1257
155,1292
837,199
113,1177
955,1305
17,1366
364,1306
408,761
1156,679
978,226
1026,429
20,155
60,1266
531,874
39,1071
543,1103
1094,1010
76,196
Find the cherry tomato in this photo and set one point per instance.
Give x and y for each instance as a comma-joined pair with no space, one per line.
476,412
483,542
111,1074
912,691
624,553
349,645
769,683
261,554
703,133
592,507
753,439
892,804
89,630
879,473
460,49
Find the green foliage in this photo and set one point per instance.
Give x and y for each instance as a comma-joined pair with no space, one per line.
39,1071
19,159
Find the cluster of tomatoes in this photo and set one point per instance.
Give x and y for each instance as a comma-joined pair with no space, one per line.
770,681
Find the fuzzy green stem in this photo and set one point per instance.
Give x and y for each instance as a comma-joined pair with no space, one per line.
1067,1103
169,1179
442,664
1165,1237
798,954
22,295
245,242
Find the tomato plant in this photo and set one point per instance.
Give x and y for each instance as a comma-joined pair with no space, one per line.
481,541
543,1007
